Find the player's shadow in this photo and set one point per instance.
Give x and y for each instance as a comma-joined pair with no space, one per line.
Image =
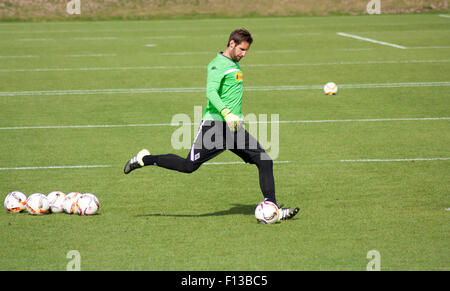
235,209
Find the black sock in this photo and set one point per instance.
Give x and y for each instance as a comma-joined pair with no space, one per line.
171,162
266,179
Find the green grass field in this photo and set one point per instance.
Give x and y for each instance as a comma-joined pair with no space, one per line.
369,167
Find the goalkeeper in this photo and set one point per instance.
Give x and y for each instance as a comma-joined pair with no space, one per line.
221,127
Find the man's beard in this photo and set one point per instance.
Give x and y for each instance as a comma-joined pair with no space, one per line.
234,57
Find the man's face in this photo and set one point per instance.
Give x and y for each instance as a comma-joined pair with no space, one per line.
237,52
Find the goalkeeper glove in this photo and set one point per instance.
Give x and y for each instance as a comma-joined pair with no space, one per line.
233,121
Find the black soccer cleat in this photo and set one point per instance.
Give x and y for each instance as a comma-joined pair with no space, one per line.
136,162
287,213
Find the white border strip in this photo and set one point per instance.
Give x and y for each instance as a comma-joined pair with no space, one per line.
259,122
56,167
371,40
444,15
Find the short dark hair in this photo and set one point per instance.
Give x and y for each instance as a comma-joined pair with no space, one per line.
240,35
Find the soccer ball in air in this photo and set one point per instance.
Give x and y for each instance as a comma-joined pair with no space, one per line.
87,204
70,202
56,200
267,212
15,202
38,204
330,88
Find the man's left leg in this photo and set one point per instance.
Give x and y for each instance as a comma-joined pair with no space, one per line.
249,150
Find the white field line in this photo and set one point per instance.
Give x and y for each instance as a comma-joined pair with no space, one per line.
356,49
202,89
281,51
194,124
213,25
229,163
300,34
350,63
294,34
99,69
165,37
371,40
234,163
355,120
203,67
250,65
91,55
428,47
212,53
73,55
393,160
109,166
35,39
74,38
184,53
444,15
18,57
390,44
56,167
96,38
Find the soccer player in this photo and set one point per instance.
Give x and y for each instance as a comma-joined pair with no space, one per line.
221,127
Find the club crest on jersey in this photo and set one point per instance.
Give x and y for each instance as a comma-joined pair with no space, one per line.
238,76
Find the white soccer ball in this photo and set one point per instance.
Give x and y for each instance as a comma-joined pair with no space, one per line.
15,202
267,212
56,200
87,205
38,204
93,197
330,88
70,202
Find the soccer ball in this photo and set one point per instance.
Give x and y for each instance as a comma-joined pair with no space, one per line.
87,204
93,197
38,204
15,202
330,88
70,202
56,199
267,212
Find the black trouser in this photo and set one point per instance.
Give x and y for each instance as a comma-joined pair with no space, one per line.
213,138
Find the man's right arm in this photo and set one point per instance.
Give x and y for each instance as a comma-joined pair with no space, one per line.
212,93
213,81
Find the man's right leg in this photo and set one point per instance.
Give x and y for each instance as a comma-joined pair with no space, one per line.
171,162
168,161
198,154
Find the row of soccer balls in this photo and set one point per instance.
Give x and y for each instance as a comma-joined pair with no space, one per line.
88,204
54,202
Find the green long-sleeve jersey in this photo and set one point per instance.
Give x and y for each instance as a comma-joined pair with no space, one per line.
224,88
